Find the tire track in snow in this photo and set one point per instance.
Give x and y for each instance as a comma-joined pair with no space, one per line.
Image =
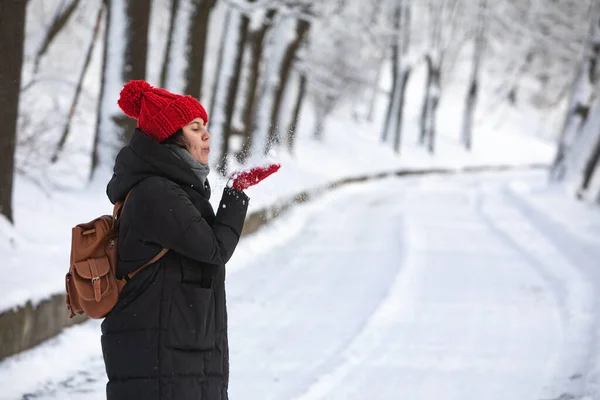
405,323
579,248
362,343
573,294
343,264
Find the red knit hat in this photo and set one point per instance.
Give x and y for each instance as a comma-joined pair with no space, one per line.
159,113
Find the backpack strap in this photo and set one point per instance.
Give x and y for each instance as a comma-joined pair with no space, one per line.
152,261
116,215
119,205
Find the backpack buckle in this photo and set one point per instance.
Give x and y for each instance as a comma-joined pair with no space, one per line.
96,284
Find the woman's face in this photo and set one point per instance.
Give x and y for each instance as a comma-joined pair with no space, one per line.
197,137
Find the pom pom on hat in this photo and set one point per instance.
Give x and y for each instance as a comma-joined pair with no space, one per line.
159,113
130,99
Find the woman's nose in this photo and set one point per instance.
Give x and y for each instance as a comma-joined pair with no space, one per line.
207,135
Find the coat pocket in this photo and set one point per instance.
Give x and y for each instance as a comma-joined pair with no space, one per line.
191,318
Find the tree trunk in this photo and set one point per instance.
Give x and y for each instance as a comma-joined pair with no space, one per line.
256,41
291,133
471,100
579,100
302,27
138,16
220,60
426,102
395,66
168,48
75,102
400,109
183,67
404,72
232,89
434,100
590,166
125,52
467,126
12,37
196,48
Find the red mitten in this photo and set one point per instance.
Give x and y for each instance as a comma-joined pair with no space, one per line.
243,180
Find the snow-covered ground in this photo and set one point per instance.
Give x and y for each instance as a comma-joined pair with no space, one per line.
464,287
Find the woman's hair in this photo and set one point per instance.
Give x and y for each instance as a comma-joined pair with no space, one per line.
178,139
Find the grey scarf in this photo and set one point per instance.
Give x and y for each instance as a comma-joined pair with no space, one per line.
200,170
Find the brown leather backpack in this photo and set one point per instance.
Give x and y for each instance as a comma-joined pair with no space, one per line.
92,285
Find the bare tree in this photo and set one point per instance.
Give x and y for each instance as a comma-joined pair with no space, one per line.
471,99
291,132
79,88
125,53
164,71
302,28
397,15
442,35
583,93
533,48
332,71
256,46
274,46
220,60
12,29
591,165
60,19
231,84
403,72
183,65
197,47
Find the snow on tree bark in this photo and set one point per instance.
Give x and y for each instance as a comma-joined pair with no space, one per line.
125,53
590,165
275,46
471,99
218,114
256,44
231,86
443,25
583,93
403,72
302,28
183,67
403,82
220,59
395,47
291,132
196,49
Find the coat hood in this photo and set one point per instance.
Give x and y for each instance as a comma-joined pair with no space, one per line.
144,157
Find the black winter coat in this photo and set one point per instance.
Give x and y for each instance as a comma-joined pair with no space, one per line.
167,337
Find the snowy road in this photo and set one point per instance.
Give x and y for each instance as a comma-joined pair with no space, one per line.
423,288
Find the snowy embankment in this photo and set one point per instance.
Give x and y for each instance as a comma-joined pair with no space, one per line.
426,287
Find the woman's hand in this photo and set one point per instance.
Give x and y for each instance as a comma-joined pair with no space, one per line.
243,180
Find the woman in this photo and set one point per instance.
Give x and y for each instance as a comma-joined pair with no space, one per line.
167,336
